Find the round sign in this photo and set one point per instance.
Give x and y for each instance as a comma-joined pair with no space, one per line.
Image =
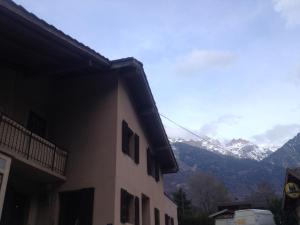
292,190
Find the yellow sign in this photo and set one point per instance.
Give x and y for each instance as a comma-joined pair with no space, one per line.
292,190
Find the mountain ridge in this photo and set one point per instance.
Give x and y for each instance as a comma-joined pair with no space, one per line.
240,175
239,148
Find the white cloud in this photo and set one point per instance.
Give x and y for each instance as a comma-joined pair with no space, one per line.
278,135
211,128
289,10
200,60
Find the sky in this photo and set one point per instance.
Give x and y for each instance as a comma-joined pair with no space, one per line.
221,68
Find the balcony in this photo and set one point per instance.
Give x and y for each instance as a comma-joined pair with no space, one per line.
19,141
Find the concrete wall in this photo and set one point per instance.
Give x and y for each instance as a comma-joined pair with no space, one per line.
133,177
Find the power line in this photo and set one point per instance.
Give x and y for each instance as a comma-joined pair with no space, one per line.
182,127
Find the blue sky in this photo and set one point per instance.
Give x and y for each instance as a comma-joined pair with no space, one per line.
222,68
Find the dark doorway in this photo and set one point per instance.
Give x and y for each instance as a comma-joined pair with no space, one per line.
76,207
15,208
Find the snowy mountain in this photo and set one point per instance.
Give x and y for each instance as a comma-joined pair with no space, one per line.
288,155
240,175
238,148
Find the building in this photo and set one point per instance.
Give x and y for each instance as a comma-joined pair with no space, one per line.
225,213
223,217
81,140
291,193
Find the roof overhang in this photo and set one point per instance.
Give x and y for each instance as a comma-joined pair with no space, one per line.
132,72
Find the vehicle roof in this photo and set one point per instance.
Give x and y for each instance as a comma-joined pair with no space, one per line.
252,211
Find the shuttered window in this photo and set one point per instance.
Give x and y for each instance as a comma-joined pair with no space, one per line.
156,171
136,149
124,214
137,211
126,133
153,168
130,142
167,219
149,163
156,216
129,208
126,206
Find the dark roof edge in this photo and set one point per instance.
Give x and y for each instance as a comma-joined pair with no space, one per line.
171,199
30,17
119,63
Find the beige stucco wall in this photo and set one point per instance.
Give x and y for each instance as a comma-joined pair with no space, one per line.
133,177
92,108
85,115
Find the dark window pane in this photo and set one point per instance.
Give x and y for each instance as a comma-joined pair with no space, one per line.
156,171
148,162
123,206
137,211
136,149
156,216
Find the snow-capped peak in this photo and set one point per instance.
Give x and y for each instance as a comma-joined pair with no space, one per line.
239,148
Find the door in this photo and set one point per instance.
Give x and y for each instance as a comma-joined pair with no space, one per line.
15,208
76,207
4,172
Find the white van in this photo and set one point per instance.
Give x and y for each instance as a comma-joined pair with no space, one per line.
253,217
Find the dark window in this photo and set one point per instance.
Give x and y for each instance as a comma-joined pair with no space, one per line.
130,142
130,208
136,149
167,219
36,124
149,163
172,221
126,206
126,136
156,216
76,207
137,211
156,171
153,167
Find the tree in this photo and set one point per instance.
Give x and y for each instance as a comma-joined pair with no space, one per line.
184,205
187,215
263,193
207,191
281,217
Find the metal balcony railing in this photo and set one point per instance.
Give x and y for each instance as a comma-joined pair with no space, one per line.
32,147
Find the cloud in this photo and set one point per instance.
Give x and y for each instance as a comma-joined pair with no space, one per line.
199,60
289,10
211,128
278,135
